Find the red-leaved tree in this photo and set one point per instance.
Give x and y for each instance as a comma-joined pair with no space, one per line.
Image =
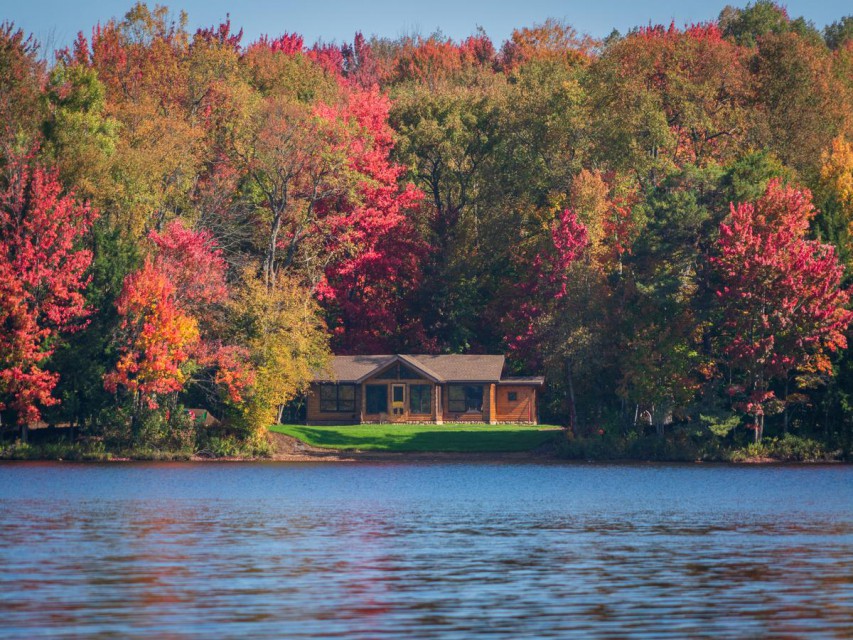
378,250
42,280
166,331
783,309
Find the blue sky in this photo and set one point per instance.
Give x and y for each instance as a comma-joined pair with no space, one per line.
57,21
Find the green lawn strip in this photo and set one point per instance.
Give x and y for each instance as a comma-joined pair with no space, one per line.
458,438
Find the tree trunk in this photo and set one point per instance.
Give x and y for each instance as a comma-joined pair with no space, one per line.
134,417
759,428
272,245
785,408
573,416
25,431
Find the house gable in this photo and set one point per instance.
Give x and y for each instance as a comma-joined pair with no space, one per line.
400,368
397,371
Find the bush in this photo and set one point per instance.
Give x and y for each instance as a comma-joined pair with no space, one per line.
788,448
232,447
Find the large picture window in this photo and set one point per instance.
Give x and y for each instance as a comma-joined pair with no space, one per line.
420,399
337,398
464,398
376,398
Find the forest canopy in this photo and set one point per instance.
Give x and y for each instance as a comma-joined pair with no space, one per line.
661,222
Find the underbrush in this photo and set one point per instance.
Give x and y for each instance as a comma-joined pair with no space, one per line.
635,447
232,447
681,447
788,448
101,450
94,451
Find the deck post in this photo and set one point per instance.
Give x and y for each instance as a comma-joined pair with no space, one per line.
439,409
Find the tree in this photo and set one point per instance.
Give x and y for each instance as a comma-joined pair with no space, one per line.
328,195
839,32
551,40
664,97
804,104
545,327
782,309
446,140
281,325
156,339
748,25
836,191
170,333
296,160
42,281
21,77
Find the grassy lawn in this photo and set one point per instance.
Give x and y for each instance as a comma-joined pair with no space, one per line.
423,437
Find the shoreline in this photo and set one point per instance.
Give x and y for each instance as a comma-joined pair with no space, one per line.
285,448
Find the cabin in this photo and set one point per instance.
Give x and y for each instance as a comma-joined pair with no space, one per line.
422,389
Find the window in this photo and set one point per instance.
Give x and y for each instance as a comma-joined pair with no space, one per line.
404,373
420,400
397,393
376,398
512,396
463,398
337,398
398,371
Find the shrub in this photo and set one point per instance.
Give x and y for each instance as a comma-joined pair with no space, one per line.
788,448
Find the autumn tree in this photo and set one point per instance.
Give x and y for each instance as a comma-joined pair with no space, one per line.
282,327
782,310
168,334
22,74
547,327
447,139
664,97
551,40
805,104
142,63
42,281
835,187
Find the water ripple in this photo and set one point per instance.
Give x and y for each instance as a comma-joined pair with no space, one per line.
451,551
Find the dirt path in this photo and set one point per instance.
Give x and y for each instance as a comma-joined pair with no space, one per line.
289,449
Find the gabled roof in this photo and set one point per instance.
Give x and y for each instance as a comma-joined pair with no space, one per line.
442,368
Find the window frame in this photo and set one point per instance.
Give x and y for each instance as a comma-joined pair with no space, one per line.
424,391
469,403
334,402
367,405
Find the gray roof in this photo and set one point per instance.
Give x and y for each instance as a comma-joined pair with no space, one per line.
442,368
352,368
463,368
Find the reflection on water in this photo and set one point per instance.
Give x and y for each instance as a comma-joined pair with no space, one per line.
450,550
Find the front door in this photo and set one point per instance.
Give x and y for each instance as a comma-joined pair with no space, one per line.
398,402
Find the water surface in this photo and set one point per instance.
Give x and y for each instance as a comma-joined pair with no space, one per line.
425,550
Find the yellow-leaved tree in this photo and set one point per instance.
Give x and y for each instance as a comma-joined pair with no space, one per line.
287,339
836,192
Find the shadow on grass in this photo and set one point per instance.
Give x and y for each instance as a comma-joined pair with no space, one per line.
433,440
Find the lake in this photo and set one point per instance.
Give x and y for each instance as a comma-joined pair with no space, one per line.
451,550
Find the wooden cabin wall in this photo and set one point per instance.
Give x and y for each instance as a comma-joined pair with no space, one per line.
522,410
